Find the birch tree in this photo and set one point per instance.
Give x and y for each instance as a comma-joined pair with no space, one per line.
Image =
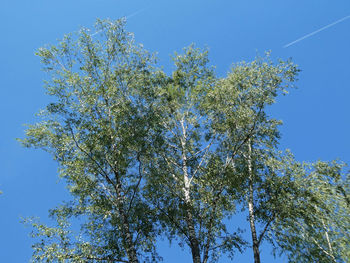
183,187
249,135
98,129
316,216
207,124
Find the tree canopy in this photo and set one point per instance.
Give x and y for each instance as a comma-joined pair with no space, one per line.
149,154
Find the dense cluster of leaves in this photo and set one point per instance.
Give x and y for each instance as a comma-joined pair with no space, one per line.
147,154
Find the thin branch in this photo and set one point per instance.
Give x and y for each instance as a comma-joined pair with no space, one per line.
265,229
316,243
211,222
328,240
109,196
168,161
170,130
137,185
102,172
323,250
202,150
250,133
202,160
174,222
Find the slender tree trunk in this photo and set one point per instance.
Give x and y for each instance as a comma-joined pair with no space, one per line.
194,244
130,248
328,241
251,206
126,234
211,225
195,251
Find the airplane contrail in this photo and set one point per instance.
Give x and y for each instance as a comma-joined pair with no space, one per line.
135,13
317,31
126,17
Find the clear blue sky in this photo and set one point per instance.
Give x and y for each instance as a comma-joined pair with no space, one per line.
316,116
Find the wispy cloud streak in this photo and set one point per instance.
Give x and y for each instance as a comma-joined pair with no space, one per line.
317,31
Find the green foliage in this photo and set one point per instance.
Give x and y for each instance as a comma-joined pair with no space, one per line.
148,154
97,129
316,224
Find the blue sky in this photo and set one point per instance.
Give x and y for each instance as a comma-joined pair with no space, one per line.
316,115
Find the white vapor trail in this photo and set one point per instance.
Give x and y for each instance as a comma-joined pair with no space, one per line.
135,13
126,17
317,31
